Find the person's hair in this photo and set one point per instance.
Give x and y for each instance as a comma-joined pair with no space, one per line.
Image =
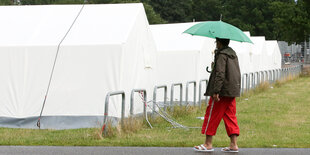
224,42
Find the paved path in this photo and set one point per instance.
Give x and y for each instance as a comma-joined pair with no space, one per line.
60,150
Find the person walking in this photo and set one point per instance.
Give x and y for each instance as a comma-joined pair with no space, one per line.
223,87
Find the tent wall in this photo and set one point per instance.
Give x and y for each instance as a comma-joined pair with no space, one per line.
28,43
100,54
181,57
124,66
24,77
274,54
244,57
258,55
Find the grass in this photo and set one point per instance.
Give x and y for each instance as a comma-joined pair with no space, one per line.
268,117
277,117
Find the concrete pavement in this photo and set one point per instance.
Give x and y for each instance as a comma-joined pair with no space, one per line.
80,150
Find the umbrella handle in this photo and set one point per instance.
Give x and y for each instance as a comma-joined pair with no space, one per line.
207,69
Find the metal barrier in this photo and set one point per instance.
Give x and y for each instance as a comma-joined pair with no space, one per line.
106,109
186,97
132,100
244,87
262,77
278,74
199,91
172,93
266,77
274,75
247,82
251,80
154,97
286,72
256,79
282,73
270,76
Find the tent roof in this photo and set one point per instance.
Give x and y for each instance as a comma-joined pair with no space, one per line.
259,43
247,33
112,26
48,24
271,45
170,37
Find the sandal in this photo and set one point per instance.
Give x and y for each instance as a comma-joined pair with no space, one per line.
227,149
202,148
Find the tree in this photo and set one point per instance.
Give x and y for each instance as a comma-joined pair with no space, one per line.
6,2
207,10
286,20
291,20
172,10
152,16
253,16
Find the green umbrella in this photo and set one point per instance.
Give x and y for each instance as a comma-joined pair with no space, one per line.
218,29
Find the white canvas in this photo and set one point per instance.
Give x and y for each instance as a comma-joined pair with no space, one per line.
109,48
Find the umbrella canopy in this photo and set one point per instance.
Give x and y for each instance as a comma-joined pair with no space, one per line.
218,29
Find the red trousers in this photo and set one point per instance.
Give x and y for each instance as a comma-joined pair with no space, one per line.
226,109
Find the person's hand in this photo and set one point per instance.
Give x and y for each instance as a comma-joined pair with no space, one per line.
216,97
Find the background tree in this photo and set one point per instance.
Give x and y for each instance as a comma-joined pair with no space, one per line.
6,2
286,20
206,10
291,21
172,10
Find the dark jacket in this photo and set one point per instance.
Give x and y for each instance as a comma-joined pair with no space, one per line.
225,77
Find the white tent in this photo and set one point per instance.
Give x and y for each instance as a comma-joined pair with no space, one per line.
79,53
274,54
258,55
181,57
108,48
243,51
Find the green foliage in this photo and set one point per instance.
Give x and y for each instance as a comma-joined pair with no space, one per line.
34,2
172,10
207,10
67,1
291,21
152,16
284,20
249,16
6,2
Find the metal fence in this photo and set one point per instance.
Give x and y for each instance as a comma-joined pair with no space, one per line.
252,80
106,109
144,96
186,97
248,81
172,93
155,95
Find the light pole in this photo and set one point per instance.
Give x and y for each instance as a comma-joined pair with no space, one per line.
306,55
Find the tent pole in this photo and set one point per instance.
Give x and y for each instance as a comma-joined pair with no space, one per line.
53,68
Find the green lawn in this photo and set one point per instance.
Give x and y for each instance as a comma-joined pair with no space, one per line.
276,117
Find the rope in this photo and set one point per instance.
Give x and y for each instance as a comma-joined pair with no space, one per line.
53,68
145,106
164,115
